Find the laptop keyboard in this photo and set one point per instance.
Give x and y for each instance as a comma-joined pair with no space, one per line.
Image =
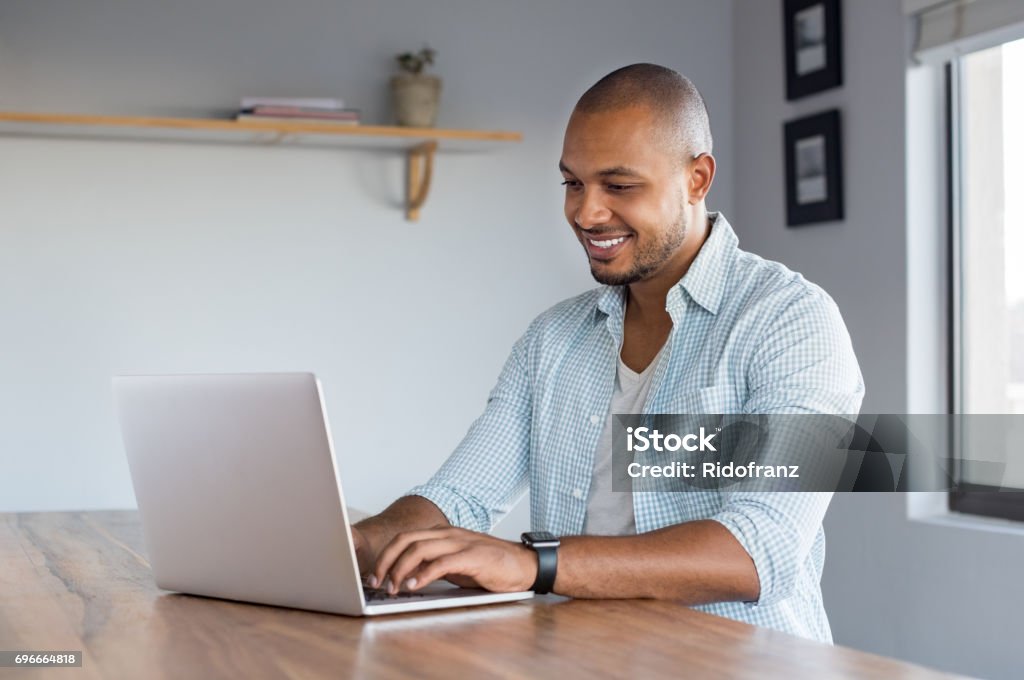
431,592
378,594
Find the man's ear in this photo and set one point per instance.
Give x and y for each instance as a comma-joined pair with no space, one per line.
702,174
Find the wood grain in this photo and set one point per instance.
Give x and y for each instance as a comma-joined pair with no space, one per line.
80,581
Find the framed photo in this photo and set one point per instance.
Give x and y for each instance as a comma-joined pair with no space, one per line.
814,169
813,46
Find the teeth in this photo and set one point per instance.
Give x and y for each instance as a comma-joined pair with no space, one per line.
609,243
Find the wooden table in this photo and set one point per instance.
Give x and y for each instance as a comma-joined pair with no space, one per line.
80,581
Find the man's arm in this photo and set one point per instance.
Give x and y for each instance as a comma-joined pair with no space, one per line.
804,364
695,563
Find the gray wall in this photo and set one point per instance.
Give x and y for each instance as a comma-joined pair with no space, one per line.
127,256
935,590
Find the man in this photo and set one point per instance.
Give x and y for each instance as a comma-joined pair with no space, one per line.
686,322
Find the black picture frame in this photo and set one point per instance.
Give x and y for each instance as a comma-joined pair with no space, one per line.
814,51
814,169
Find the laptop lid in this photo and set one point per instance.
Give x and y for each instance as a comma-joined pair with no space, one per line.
238,488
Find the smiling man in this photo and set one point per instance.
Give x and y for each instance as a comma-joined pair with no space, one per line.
685,322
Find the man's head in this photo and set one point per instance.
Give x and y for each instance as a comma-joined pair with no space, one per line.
637,164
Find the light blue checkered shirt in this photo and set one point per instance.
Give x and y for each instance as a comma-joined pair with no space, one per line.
748,336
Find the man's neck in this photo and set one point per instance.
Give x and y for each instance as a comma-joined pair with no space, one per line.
647,322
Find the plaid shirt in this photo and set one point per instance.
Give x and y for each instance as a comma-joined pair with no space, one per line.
748,336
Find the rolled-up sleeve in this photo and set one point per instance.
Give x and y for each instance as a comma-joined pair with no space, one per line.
777,530
804,364
487,473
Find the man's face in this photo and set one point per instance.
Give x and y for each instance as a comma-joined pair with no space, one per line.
625,193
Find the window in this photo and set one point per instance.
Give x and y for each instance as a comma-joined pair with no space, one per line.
987,263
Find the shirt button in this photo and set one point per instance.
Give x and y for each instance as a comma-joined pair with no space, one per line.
578,493
595,419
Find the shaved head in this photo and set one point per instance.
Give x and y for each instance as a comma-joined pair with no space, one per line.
671,97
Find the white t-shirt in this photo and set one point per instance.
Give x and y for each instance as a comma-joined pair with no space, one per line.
610,513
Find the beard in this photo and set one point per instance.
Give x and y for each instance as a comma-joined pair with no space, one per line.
649,258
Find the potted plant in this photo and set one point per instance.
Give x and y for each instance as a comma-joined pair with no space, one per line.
416,94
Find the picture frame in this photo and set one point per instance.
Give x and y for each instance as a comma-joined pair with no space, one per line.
814,53
814,169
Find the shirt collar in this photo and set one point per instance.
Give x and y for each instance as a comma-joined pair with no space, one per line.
704,282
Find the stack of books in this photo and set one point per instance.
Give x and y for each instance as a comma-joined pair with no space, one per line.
296,109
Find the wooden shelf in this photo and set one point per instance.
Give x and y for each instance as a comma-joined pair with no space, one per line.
419,144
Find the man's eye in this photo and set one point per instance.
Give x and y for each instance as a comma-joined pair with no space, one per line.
570,183
619,187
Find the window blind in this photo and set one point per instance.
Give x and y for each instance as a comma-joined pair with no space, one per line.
948,28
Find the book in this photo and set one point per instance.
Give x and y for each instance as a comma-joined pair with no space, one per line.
302,112
302,102
250,118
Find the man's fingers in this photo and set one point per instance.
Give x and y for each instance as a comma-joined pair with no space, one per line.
416,554
397,546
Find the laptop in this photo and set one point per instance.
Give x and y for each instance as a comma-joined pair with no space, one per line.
240,497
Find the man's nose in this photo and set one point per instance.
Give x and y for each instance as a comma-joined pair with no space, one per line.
592,210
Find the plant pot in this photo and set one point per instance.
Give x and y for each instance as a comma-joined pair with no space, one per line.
416,97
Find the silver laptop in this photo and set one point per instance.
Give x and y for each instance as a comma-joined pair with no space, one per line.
240,497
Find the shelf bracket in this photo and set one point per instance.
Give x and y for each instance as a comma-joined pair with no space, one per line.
419,168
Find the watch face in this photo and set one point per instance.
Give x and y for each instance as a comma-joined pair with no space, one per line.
540,538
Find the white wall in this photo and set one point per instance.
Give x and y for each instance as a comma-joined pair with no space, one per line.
938,592
129,256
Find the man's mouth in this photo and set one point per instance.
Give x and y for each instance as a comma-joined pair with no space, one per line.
605,248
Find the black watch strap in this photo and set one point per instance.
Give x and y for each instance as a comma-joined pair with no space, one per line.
547,561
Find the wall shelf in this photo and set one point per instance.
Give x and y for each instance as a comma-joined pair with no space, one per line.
419,144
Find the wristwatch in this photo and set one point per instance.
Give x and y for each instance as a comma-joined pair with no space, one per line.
545,544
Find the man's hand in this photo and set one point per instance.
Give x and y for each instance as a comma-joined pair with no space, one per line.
364,554
409,513
466,558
